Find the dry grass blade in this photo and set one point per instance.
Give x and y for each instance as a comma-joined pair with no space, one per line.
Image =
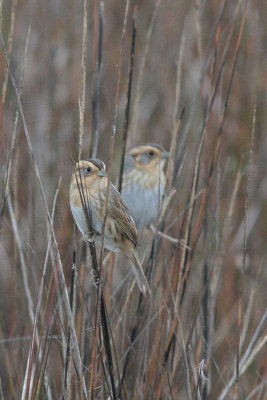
104,77
136,101
198,28
14,132
252,349
216,147
98,75
176,118
35,338
100,304
217,268
84,196
83,80
250,164
30,148
1,391
9,50
22,259
259,388
185,258
104,315
127,110
69,348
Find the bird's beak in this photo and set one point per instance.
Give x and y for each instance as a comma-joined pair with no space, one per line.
165,154
102,173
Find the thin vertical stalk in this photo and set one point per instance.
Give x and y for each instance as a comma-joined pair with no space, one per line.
83,80
136,101
9,50
69,349
97,82
55,245
127,110
241,294
14,133
176,123
198,28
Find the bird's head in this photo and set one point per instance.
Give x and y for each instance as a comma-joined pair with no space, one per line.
89,170
149,156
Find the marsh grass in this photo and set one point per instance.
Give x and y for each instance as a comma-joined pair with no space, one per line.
95,78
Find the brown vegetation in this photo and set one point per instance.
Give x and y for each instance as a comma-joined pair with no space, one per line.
93,78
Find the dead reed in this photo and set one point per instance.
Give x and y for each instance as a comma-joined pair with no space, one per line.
95,78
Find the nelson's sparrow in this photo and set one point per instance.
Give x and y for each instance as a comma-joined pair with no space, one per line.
143,182
88,192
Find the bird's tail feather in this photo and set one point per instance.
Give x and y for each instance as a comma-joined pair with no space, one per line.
139,273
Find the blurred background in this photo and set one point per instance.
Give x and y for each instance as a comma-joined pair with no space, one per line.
192,61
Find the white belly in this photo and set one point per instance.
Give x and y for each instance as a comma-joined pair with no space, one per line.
143,205
78,215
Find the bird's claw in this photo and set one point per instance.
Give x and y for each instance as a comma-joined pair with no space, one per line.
89,237
95,279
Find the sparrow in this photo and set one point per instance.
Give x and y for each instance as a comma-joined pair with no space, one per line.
88,191
143,183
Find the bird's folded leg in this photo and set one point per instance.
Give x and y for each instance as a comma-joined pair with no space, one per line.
89,237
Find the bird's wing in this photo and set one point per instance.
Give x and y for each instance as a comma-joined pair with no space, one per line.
119,213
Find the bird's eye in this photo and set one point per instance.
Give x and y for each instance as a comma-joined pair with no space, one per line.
151,153
88,169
